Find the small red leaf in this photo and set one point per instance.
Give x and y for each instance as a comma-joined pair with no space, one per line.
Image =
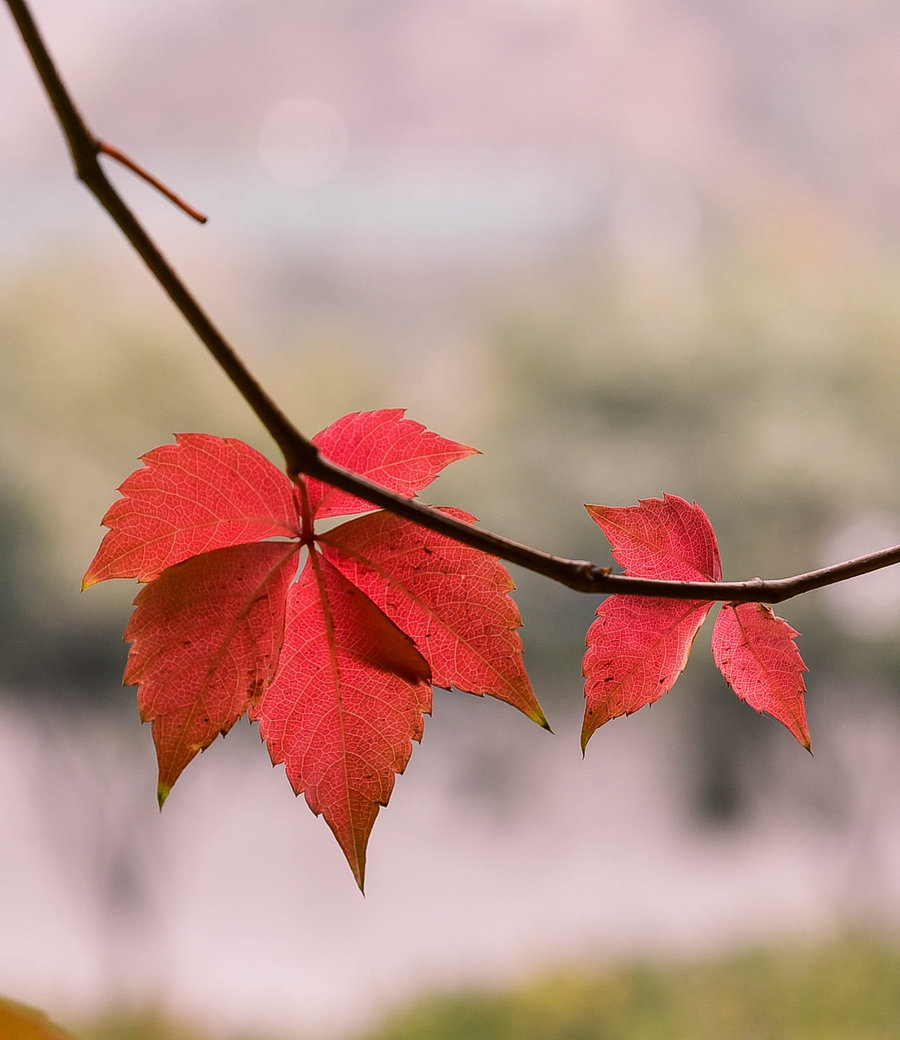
665,538
347,702
452,600
390,450
756,652
200,494
206,637
637,648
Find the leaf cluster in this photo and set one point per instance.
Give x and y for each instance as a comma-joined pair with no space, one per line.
331,637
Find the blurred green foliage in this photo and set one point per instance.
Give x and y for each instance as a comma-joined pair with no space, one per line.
845,989
836,992
152,1024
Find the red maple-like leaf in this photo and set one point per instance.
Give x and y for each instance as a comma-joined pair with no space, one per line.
337,664
756,652
638,646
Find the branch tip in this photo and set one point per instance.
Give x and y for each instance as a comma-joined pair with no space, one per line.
120,157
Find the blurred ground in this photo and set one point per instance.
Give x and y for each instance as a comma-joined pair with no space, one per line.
847,988
621,248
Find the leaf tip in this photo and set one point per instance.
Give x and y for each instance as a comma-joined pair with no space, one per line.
536,714
162,793
358,865
586,734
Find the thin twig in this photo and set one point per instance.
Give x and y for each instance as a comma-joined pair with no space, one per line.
302,457
163,189
584,576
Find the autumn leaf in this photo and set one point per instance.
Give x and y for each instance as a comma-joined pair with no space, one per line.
756,652
345,705
19,1022
638,646
447,596
666,538
397,453
335,665
206,637
200,494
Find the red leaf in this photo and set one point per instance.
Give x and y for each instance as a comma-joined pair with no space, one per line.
345,706
756,652
662,538
391,451
638,646
329,666
452,600
206,637
200,494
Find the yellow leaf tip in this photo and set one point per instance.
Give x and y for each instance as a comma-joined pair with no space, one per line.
162,793
359,876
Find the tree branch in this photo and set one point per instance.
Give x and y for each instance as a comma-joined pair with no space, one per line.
300,454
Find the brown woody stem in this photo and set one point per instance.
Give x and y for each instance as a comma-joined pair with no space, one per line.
301,456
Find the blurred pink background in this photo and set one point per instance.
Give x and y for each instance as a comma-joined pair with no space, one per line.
458,209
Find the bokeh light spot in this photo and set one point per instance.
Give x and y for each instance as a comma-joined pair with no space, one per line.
302,142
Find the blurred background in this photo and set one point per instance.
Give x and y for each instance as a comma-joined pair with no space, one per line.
623,248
